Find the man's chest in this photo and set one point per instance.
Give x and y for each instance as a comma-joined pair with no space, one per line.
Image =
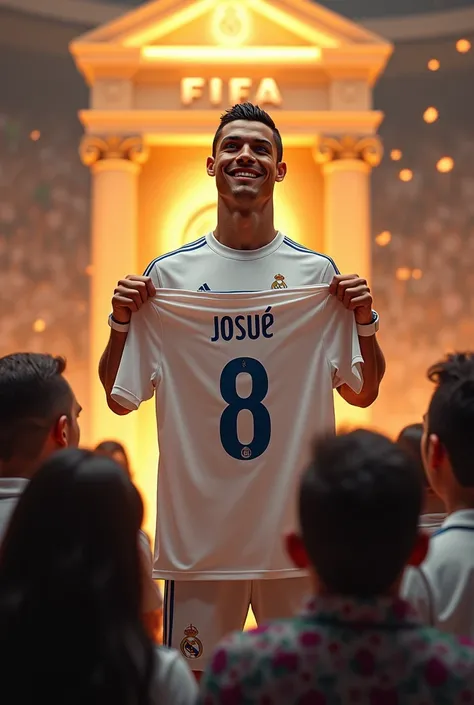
220,274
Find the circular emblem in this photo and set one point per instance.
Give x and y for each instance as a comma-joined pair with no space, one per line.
191,647
246,453
231,23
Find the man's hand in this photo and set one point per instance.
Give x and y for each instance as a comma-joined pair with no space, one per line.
354,294
129,295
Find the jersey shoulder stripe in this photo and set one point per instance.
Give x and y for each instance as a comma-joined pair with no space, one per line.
185,248
300,248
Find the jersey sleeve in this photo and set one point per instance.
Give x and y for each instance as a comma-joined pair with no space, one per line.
342,346
141,359
416,589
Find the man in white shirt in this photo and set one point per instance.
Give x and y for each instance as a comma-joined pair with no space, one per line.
244,254
39,415
433,513
442,587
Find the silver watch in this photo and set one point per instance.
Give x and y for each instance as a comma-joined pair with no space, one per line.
366,330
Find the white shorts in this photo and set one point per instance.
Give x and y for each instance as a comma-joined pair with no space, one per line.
197,614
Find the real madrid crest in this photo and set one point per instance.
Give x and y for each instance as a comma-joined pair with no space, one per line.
191,647
279,282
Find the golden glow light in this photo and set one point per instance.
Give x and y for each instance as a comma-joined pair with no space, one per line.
430,115
445,165
463,46
403,274
396,155
35,135
434,65
231,55
417,274
231,23
383,238
405,175
39,326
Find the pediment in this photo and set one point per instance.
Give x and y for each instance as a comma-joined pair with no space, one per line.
231,23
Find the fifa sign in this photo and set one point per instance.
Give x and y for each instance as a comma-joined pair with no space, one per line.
235,90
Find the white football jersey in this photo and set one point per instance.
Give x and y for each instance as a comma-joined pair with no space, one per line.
207,265
243,382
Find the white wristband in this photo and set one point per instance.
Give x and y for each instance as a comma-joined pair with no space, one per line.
116,325
368,329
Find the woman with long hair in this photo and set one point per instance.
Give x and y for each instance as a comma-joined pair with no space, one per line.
70,618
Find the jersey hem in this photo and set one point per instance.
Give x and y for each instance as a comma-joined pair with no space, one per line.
228,575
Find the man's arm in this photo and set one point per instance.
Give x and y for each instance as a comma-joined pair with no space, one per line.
354,294
373,370
129,295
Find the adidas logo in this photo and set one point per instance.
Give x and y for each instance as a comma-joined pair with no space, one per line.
204,287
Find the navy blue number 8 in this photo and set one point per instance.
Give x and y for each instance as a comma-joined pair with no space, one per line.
262,426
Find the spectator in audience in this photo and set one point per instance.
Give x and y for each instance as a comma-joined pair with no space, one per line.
38,416
434,511
117,452
356,641
70,623
442,587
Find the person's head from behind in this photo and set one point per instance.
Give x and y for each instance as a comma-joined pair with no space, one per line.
116,451
38,411
448,440
359,503
247,157
70,571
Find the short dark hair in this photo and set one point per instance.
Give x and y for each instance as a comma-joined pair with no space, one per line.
251,113
410,440
359,504
450,413
33,395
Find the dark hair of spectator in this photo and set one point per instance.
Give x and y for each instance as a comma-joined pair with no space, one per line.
410,440
359,504
451,412
70,618
113,448
251,113
34,394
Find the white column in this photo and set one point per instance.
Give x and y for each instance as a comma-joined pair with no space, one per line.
346,165
347,215
115,166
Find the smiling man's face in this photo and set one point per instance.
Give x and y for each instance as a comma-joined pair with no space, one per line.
245,165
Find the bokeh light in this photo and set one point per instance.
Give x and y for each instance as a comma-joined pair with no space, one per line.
89,270
430,115
35,135
434,65
417,274
463,46
406,175
39,326
445,165
396,155
383,238
403,274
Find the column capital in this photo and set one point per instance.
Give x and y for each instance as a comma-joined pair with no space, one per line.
365,149
94,149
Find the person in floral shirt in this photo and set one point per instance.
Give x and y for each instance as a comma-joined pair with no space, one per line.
356,642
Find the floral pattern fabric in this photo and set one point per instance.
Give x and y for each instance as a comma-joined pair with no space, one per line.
342,652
